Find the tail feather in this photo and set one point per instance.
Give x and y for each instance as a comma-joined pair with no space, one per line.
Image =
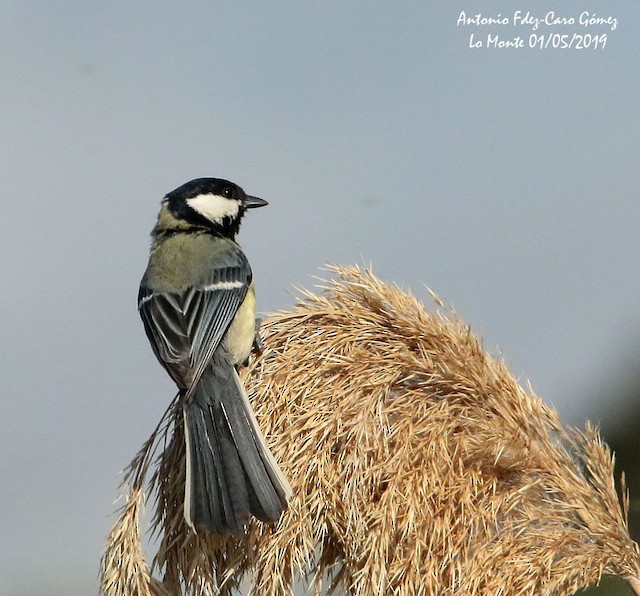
231,474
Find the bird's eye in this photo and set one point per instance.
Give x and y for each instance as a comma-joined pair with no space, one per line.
228,192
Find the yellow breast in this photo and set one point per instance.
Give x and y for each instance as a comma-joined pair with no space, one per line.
241,334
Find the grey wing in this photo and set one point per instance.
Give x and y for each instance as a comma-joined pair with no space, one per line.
185,328
164,324
212,312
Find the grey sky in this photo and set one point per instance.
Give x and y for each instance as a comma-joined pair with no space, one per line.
505,180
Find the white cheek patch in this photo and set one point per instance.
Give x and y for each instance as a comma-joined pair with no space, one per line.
214,207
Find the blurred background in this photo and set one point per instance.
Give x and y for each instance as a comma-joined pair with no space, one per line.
506,180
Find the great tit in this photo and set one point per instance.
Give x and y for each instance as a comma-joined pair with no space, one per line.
197,303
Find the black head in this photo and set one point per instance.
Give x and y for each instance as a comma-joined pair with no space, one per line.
212,203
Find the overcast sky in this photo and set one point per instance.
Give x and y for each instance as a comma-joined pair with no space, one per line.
507,180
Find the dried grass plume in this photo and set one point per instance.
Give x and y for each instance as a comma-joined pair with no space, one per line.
417,462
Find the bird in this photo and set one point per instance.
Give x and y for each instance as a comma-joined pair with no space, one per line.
197,304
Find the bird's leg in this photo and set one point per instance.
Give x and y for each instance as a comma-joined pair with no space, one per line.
256,349
258,344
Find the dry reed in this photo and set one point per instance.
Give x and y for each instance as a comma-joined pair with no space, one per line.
417,462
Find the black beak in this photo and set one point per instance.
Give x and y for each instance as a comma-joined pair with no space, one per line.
253,202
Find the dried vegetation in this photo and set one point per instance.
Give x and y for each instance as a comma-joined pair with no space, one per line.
418,466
